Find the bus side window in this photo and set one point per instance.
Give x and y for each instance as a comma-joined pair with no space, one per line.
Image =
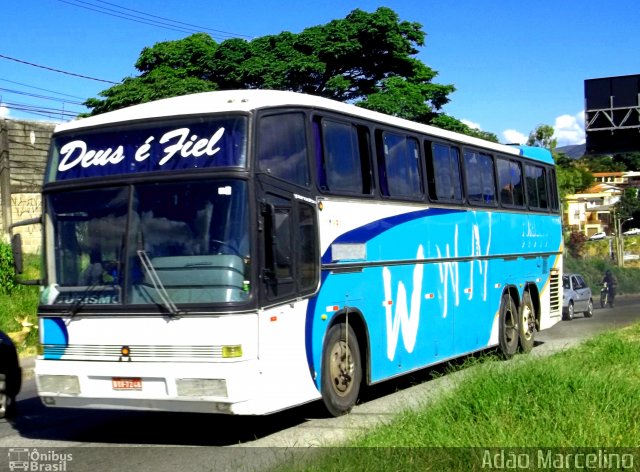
479,177
399,166
553,191
282,147
344,165
510,182
536,187
443,172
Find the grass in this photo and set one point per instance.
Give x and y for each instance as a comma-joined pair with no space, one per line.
21,302
584,397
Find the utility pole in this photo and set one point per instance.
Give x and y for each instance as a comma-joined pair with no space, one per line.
5,179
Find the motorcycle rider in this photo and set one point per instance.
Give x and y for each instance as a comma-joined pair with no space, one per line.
612,283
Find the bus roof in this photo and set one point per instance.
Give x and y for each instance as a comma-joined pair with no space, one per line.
254,99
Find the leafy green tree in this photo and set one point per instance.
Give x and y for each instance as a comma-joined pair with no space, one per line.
573,179
367,59
603,164
629,161
629,203
542,136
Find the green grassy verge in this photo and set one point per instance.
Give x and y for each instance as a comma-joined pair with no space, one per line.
585,397
22,301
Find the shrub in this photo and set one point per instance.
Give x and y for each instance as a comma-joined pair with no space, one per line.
575,244
7,274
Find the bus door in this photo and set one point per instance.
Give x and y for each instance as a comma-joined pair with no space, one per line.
288,232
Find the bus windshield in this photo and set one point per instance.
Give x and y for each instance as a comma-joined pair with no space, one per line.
187,241
213,141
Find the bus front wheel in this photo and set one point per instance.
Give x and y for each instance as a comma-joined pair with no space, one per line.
341,370
508,331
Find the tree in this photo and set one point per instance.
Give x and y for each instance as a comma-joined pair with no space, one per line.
603,163
367,59
629,161
542,136
628,204
573,179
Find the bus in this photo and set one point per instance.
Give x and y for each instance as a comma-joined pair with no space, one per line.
243,252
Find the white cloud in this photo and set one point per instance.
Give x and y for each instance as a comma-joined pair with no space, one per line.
569,129
471,124
512,136
4,111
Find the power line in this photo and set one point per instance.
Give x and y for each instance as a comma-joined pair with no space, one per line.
38,110
147,18
200,28
56,70
106,11
35,95
39,88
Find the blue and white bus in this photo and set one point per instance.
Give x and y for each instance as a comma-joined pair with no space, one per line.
243,252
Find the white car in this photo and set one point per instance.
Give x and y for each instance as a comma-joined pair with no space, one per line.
632,232
597,236
576,297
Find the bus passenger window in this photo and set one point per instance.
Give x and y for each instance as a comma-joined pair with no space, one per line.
553,194
536,187
344,168
510,182
400,166
479,177
444,173
282,147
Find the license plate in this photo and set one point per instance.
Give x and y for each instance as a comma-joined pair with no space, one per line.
119,383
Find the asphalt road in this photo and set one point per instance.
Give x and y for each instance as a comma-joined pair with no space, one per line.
141,441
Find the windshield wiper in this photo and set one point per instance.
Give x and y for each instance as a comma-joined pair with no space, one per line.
157,284
81,300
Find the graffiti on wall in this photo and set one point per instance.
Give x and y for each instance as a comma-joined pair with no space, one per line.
23,207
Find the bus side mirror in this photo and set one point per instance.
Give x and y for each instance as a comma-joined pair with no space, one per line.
16,249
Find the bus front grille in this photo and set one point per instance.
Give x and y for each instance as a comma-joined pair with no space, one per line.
143,353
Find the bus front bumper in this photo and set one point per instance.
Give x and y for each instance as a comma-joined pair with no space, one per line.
228,388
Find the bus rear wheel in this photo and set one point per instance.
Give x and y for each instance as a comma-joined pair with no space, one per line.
341,370
526,323
508,332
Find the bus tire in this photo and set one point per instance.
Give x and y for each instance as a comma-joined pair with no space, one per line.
508,332
341,370
526,323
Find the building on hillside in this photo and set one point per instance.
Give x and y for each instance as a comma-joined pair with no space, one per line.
590,212
614,178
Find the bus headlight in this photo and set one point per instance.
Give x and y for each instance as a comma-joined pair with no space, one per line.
61,384
201,387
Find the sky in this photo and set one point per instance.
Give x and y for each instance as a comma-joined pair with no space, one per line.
515,64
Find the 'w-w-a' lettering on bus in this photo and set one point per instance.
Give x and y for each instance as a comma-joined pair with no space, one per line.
405,319
449,271
482,265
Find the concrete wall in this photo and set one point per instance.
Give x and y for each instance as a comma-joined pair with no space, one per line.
23,157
